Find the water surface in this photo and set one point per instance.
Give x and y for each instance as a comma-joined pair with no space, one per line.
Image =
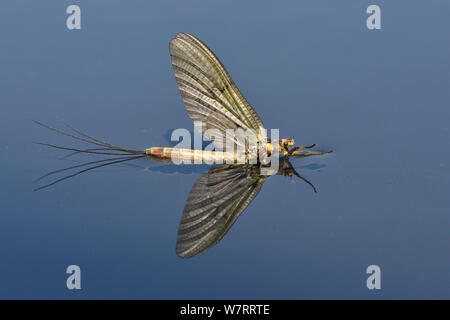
380,99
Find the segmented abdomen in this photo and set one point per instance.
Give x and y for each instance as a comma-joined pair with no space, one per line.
196,156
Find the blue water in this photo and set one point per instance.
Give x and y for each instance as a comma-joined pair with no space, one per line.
379,98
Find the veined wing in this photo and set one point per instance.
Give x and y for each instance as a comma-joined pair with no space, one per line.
216,200
208,92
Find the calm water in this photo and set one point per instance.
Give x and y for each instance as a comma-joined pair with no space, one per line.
379,98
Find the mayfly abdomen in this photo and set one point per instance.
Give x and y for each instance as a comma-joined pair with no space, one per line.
196,156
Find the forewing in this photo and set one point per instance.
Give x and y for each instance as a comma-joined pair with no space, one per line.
215,202
207,89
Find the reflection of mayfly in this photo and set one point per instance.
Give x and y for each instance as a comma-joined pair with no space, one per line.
210,97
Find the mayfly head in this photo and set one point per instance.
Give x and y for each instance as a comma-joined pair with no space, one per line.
285,144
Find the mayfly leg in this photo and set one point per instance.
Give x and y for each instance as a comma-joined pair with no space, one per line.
302,154
305,180
302,147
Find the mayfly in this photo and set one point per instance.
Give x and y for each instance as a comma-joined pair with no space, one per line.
211,98
219,196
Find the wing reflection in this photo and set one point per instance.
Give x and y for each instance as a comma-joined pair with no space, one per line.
215,202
